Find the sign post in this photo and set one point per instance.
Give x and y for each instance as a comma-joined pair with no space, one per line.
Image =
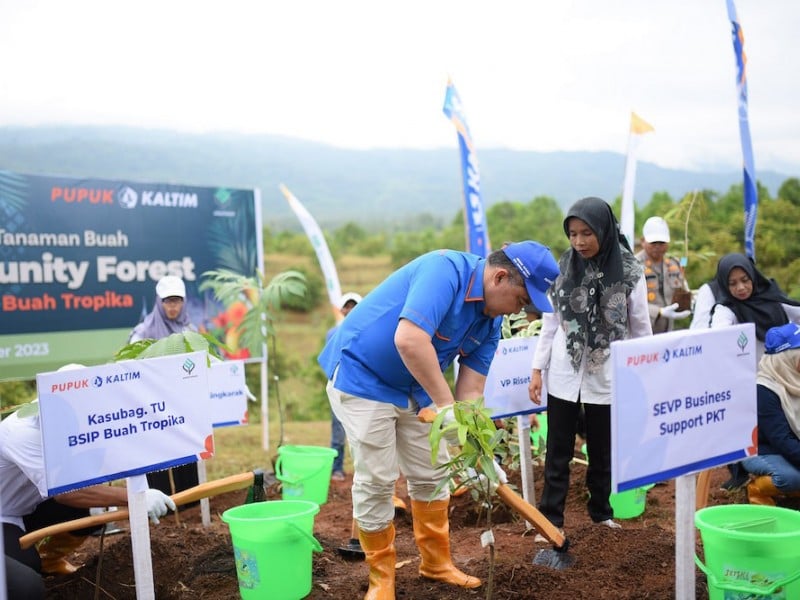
683,402
506,395
123,420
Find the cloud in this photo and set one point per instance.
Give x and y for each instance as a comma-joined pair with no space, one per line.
535,74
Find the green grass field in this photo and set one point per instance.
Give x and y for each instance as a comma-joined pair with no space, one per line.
241,449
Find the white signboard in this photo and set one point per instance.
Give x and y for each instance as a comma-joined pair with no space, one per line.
228,393
506,389
122,419
683,402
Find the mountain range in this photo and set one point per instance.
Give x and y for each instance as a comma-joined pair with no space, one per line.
379,188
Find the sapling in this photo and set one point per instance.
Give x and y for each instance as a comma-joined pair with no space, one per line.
474,464
263,300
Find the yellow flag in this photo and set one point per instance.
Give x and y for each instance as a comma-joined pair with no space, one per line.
639,125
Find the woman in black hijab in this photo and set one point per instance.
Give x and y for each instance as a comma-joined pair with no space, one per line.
599,296
744,295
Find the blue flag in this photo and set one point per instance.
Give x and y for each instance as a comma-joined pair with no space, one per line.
750,189
477,234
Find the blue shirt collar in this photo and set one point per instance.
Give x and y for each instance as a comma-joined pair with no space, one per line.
475,286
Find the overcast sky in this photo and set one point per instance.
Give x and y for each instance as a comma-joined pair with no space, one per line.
532,74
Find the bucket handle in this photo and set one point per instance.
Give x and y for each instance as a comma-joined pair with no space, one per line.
315,545
281,477
745,587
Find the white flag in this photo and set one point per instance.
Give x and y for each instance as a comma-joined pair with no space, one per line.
638,127
324,257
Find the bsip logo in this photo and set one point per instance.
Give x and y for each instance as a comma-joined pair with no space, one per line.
127,197
188,366
97,382
742,342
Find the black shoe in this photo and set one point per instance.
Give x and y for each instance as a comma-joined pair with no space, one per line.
735,483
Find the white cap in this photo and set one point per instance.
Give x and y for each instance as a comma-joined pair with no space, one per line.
655,230
170,286
349,297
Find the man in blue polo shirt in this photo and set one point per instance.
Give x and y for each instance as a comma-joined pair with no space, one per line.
386,361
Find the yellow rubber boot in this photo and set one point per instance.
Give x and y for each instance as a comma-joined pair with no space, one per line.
54,551
381,558
762,491
432,534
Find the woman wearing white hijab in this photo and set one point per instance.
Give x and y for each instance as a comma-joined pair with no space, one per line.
777,465
169,315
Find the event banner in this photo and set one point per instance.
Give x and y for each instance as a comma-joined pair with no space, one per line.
80,258
123,419
506,388
682,402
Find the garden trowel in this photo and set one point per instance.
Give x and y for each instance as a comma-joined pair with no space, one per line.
352,550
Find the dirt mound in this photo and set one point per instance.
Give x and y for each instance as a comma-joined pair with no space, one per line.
190,561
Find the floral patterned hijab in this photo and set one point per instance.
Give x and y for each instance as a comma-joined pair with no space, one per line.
591,295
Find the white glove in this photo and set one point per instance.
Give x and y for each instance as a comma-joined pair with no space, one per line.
501,474
671,312
449,425
157,504
482,479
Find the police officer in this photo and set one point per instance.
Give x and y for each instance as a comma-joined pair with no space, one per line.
664,276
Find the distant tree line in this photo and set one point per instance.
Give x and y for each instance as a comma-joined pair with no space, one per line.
704,226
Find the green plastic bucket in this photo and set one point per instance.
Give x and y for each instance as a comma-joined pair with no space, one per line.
539,437
272,544
305,472
630,503
751,551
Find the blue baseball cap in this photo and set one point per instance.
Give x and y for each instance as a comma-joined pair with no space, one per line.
538,268
785,337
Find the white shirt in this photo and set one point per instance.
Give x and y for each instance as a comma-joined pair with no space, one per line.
552,357
724,317
703,303
22,471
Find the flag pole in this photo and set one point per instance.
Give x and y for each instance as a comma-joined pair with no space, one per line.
638,127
